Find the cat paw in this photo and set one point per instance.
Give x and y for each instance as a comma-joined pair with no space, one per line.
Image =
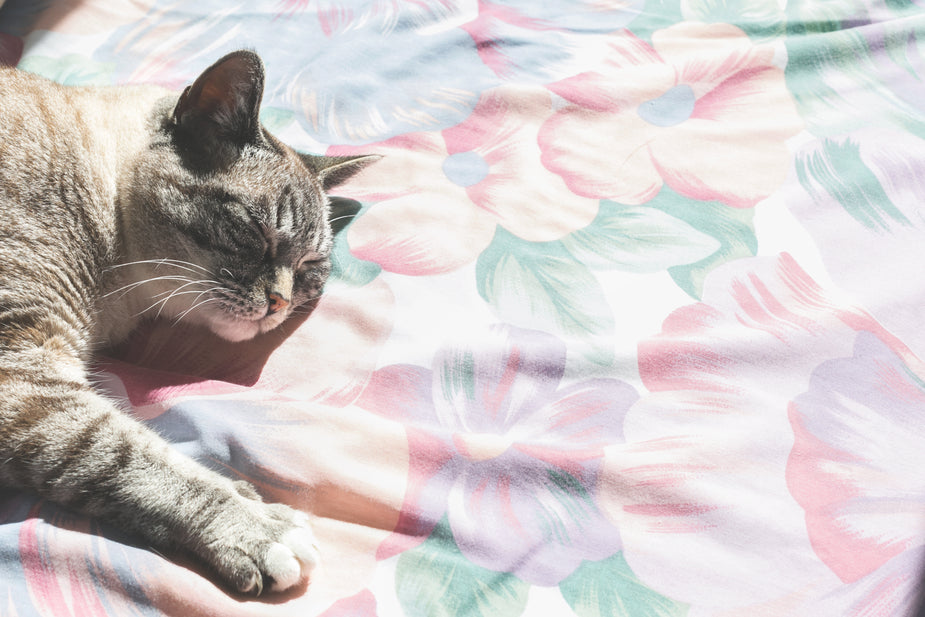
270,548
290,560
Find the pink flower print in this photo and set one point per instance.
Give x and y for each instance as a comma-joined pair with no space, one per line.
339,15
506,452
441,196
858,435
505,33
717,487
362,604
426,226
701,100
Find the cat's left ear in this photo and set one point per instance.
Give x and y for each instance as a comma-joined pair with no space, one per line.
335,170
219,113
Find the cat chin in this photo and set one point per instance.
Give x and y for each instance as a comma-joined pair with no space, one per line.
237,330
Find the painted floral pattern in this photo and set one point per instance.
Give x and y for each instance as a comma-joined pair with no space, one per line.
857,525
505,33
518,453
629,323
470,169
767,437
701,84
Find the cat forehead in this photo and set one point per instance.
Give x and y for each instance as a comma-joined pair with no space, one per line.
270,177
273,167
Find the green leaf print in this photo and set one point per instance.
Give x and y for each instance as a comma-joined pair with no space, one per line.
759,19
542,286
806,17
275,119
610,589
346,268
436,580
656,15
843,81
838,169
731,229
638,239
70,70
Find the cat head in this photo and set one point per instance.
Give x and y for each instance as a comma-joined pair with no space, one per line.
235,226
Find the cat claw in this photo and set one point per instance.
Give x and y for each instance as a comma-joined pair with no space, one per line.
253,587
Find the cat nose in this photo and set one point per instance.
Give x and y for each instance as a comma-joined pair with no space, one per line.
276,302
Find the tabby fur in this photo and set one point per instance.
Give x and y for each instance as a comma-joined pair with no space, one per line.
123,203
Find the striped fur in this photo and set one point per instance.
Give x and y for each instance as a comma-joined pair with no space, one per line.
119,204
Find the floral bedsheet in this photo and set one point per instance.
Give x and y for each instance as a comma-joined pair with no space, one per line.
630,323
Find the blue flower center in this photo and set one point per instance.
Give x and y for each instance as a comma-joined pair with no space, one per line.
465,168
671,108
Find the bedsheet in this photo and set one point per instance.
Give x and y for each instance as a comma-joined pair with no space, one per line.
629,323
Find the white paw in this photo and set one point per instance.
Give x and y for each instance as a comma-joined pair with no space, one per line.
292,559
261,547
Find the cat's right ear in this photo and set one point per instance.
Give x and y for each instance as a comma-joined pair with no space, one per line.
335,170
219,113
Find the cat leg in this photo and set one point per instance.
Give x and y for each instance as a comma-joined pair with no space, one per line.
66,442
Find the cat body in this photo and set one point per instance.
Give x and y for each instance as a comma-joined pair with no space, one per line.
124,203
65,152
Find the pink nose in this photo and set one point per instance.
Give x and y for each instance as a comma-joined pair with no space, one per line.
276,301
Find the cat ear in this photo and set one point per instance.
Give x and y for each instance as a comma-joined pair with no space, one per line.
342,211
335,170
220,110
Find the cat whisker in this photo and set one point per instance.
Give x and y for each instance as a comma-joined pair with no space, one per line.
202,293
340,218
190,309
176,263
160,304
185,285
177,292
131,286
163,301
304,308
174,293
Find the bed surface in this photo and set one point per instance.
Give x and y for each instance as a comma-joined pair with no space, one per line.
629,323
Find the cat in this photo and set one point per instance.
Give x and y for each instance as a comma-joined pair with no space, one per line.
121,203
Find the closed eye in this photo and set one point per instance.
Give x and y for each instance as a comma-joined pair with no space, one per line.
265,235
241,231
310,262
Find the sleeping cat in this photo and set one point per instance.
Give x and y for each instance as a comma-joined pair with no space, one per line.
119,204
